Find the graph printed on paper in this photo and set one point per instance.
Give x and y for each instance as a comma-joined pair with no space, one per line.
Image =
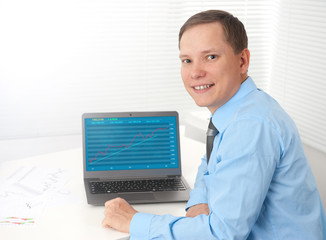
36,180
131,143
26,192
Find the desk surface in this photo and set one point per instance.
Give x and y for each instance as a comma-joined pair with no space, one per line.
78,220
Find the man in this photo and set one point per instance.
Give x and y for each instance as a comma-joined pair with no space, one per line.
257,183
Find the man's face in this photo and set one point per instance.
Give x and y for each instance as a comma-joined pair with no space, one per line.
210,70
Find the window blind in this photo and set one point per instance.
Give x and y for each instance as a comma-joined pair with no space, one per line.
299,59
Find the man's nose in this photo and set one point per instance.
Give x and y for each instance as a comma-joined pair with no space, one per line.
197,71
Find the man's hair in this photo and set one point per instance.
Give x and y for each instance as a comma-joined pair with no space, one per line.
234,31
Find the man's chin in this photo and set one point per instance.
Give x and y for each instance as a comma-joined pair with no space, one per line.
211,108
201,104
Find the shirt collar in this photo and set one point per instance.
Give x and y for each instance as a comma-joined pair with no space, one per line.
223,114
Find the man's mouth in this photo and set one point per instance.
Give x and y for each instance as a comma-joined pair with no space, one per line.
202,87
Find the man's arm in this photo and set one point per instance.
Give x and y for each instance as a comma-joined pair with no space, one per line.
119,214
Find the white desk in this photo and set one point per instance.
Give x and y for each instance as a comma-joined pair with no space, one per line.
80,220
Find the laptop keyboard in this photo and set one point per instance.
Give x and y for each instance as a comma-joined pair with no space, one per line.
147,185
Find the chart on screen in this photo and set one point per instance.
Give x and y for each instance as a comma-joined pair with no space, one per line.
121,144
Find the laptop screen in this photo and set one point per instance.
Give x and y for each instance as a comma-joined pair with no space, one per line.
131,143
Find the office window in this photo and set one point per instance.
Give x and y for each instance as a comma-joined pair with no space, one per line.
298,62
62,58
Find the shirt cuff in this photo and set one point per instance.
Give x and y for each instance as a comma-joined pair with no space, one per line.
197,196
140,226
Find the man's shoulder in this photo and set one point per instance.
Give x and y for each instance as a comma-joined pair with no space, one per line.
261,107
259,104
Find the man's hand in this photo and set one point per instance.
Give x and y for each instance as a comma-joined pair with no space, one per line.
198,210
118,214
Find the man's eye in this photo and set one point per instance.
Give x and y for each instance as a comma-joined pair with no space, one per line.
186,61
211,57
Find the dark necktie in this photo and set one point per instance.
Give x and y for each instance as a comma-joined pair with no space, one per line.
211,133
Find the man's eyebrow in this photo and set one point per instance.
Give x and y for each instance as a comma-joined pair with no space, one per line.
183,55
210,50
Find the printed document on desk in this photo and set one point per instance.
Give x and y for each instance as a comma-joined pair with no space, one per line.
25,193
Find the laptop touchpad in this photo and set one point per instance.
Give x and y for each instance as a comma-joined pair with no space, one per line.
137,196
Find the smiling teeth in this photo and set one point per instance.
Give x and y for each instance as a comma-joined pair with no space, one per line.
202,87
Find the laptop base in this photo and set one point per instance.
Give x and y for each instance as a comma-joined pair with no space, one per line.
139,197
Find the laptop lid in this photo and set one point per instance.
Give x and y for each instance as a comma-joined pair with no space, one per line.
131,144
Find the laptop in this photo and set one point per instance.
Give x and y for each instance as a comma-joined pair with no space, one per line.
133,155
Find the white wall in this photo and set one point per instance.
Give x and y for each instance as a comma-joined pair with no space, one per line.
317,161
62,58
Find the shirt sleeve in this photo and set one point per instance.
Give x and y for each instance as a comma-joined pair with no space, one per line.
140,225
237,181
148,226
199,193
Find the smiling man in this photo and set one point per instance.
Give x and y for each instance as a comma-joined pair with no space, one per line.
257,183
211,70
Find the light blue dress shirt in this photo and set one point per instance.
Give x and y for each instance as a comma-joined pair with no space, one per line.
258,184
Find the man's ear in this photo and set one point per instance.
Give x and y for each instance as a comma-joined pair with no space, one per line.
244,60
